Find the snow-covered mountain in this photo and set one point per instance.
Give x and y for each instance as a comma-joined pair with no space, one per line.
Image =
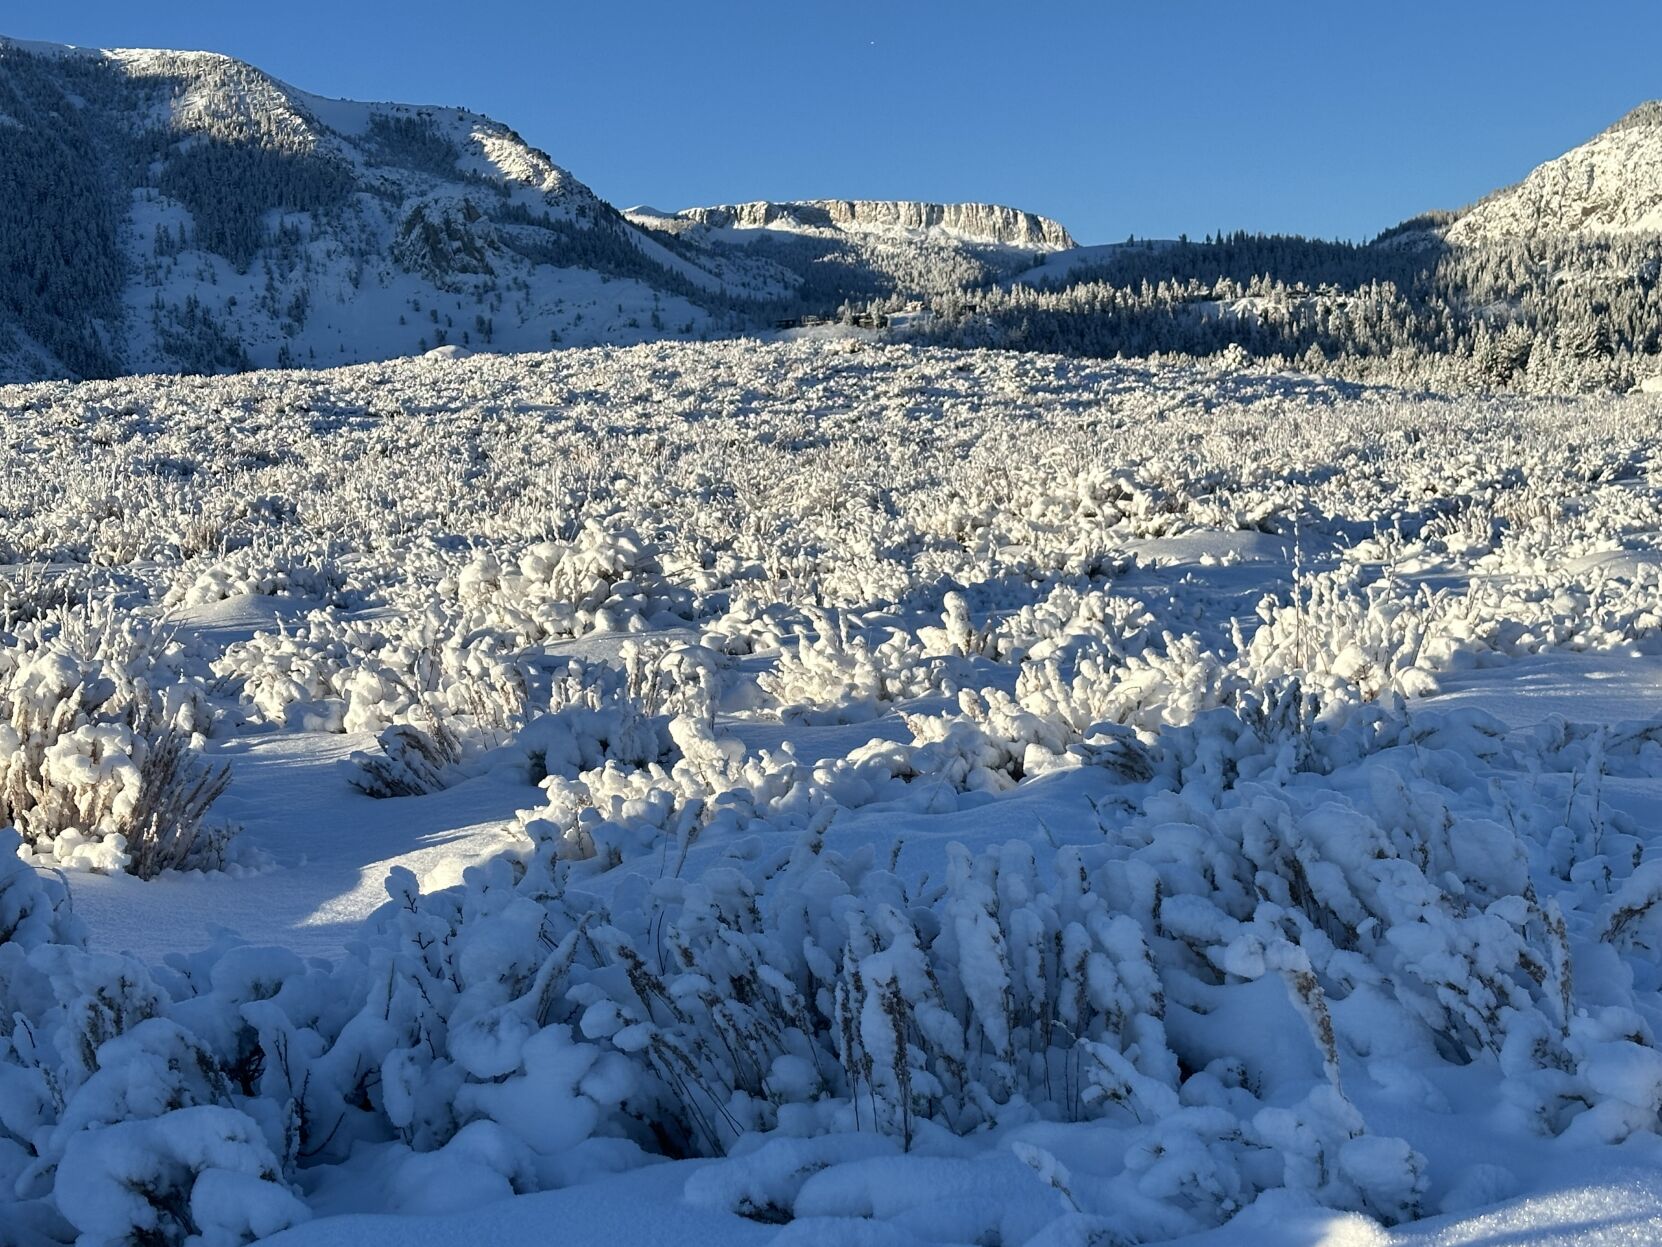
1611,184
167,211
171,210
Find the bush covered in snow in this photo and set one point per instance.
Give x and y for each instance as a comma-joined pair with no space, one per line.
96,765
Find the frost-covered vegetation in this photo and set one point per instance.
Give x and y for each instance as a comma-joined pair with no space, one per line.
962,797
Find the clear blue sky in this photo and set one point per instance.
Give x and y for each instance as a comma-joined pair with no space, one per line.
1335,118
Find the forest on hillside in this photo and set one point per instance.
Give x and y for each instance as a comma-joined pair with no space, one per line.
1548,315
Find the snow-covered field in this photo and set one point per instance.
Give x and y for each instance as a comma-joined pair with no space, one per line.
821,793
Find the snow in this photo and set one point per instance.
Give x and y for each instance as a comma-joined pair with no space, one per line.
1621,1210
330,286
323,856
643,1209
852,794
376,316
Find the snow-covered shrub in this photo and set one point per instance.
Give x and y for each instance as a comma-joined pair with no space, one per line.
1094,684
272,573
1243,881
1066,618
165,827
677,678
607,579
595,715
1343,636
298,668
835,675
1389,894
90,773
409,761
474,684
34,905
341,675
32,592
131,1125
958,634
1596,611
988,746
198,1175
831,997
747,626
133,659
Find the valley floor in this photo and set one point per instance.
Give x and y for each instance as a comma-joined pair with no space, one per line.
826,793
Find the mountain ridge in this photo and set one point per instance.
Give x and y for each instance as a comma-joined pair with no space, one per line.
1610,184
183,211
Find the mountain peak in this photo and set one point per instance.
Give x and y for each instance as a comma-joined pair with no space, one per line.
220,218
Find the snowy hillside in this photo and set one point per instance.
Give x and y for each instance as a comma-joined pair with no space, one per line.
185,211
1610,185
1551,286
826,794
168,211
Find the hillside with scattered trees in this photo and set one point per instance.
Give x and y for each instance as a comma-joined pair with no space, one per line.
184,212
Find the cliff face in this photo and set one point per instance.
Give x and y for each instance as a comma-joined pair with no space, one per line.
991,223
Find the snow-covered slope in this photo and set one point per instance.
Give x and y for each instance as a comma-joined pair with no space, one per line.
825,250
1611,185
186,211
1061,267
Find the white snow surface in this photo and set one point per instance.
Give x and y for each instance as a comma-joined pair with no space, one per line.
849,794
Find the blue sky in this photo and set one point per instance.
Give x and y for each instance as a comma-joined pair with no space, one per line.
1153,118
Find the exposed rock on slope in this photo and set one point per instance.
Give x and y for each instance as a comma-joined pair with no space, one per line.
1610,185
